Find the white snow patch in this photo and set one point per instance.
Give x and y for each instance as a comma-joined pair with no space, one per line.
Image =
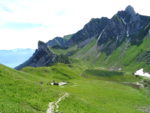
141,72
123,21
127,33
117,38
100,35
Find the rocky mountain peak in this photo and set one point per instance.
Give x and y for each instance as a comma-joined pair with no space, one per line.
43,56
41,45
91,30
129,9
126,25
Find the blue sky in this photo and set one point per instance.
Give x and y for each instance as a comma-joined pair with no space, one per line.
24,22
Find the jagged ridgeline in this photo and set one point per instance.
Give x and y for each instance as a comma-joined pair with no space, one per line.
122,42
43,56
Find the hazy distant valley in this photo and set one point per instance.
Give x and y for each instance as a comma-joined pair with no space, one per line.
12,58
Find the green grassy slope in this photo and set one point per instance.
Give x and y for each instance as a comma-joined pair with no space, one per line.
27,91
23,93
64,51
97,96
126,57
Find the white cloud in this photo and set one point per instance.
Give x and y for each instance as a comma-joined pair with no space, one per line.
57,17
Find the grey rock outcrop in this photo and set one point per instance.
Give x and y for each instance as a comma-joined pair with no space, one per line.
57,42
124,25
130,10
109,33
43,57
90,30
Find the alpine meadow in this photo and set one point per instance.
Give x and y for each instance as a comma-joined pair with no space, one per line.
95,70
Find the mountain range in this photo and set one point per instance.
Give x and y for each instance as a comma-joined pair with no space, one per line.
118,43
90,71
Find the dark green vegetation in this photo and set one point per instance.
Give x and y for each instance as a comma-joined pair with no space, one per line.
90,90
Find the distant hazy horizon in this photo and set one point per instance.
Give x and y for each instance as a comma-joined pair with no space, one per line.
14,57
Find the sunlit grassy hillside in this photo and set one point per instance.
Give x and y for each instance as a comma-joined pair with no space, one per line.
126,57
27,91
